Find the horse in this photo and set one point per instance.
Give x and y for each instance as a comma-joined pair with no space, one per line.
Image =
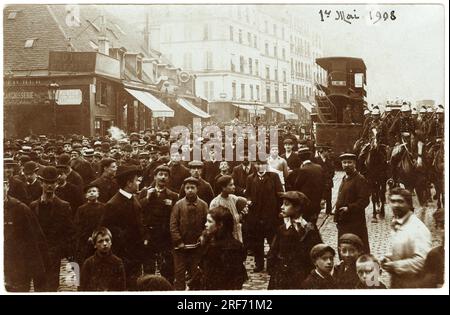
403,164
436,153
372,164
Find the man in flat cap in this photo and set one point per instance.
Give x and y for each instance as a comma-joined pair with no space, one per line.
123,217
352,200
205,191
157,202
55,218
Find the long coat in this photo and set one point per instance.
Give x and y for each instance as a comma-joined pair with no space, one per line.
75,179
288,261
353,193
308,179
265,207
57,225
156,211
240,178
25,248
87,219
123,217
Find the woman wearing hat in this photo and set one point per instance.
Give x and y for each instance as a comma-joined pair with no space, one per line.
288,260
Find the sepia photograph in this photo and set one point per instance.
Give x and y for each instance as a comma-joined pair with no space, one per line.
233,147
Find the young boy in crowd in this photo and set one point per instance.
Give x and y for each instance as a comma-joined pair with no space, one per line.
369,273
187,222
350,248
321,277
103,271
87,219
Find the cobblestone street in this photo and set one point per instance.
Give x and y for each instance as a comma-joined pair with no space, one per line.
379,238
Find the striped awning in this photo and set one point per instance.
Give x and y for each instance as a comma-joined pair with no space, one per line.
287,114
252,108
192,108
158,108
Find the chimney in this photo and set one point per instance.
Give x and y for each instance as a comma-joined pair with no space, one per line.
154,37
103,42
147,33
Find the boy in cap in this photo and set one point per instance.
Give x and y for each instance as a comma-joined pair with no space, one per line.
205,191
187,222
103,271
321,277
369,273
288,260
350,248
157,202
87,219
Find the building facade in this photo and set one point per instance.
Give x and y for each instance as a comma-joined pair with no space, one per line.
105,74
241,54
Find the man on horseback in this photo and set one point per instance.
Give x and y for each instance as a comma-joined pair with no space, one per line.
435,152
407,149
372,161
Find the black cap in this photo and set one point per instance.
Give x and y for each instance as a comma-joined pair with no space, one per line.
163,168
126,170
191,180
349,238
347,156
319,250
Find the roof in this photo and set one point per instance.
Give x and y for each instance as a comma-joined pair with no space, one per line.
354,63
29,23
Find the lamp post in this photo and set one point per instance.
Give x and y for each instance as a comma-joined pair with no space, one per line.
52,95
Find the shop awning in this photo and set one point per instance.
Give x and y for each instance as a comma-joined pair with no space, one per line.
307,106
192,108
252,108
287,114
158,108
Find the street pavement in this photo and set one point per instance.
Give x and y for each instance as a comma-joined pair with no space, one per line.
379,239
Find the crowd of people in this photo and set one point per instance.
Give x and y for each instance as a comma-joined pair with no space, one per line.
134,214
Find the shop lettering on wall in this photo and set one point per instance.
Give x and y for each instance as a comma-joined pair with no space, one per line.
25,97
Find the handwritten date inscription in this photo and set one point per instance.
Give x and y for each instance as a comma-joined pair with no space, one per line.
340,15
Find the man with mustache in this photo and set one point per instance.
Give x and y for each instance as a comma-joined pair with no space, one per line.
55,218
410,242
353,198
157,202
